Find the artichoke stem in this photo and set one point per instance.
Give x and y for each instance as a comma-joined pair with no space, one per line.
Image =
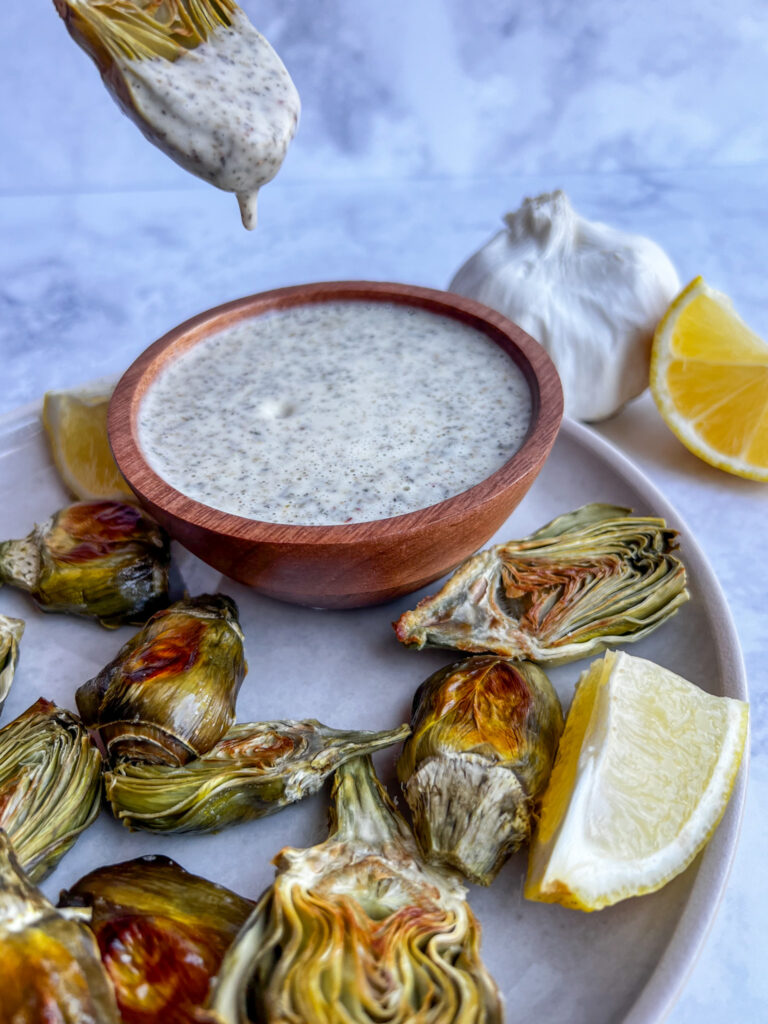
360,807
469,815
20,563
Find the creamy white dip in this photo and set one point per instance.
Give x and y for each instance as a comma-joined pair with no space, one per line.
226,111
334,413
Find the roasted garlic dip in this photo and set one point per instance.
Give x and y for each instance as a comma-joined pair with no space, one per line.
337,412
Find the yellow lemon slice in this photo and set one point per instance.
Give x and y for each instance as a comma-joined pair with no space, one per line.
76,425
709,377
643,774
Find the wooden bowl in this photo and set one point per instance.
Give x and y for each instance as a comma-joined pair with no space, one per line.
356,564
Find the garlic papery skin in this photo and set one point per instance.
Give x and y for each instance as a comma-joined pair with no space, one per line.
590,294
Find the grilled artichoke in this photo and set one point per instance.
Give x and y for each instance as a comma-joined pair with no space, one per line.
256,769
102,559
169,694
358,929
590,579
10,635
162,934
485,734
50,785
49,965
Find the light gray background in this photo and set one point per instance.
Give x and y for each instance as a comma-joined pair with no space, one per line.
424,121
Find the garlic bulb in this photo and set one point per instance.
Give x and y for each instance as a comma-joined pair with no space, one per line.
591,295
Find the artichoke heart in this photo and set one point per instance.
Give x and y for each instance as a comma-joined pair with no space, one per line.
588,580
50,785
105,560
485,735
358,929
169,694
10,634
256,769
49,964
162,933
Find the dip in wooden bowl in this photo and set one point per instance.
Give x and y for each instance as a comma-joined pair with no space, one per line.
337,444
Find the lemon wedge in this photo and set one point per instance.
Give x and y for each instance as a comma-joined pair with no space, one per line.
643,774
76,425
709,377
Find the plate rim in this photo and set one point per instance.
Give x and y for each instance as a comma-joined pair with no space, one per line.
664,985
666,982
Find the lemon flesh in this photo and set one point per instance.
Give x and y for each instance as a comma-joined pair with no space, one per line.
709,378
76,425
643,774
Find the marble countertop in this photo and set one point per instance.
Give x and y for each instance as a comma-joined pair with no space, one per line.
88,280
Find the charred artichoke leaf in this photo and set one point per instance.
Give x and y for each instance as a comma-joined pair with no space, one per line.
590,579
484,736
49,964
162,933
359,929
50,785
10,635
105,560
169,694
255,770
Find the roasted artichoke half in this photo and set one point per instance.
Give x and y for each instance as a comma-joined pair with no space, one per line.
358,929
10,635
105,560
162,933
169,694
50,970
256,769
485,735
50,785
590,579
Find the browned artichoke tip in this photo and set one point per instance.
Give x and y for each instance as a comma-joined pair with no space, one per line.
162,933
484,736
105,560
50,968
169,695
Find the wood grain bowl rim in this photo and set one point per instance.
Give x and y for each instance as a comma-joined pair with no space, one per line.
531,358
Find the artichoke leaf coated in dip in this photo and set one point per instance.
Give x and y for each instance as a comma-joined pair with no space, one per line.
590,579
255,770
161,932
359,929
485,734
11,631
101,559
50,968
199,82
169,694
50,785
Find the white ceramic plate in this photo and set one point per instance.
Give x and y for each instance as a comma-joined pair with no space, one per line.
626,963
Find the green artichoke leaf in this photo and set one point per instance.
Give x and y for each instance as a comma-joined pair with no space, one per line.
50,785
162,933
50,968
169,694
105,560
484,737
254,770
588,580
359,928
10,634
